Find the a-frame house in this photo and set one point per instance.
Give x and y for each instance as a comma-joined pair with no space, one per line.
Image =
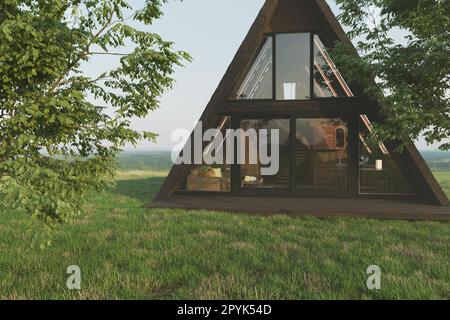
283,78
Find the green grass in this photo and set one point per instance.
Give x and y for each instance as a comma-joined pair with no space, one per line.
126,251
444,180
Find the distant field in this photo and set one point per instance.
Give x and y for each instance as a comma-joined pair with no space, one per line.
126,251
444,180
150,161
438,161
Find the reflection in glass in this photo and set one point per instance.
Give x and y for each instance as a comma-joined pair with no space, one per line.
321,157
214,177
292,61
251,176
328,81
379,173
258,82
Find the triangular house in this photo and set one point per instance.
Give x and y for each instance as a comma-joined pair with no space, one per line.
282,78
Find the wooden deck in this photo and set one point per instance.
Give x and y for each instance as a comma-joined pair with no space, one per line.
364,208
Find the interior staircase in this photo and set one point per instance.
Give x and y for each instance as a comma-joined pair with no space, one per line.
301,157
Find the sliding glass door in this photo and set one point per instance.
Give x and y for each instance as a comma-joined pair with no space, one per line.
267,158
312,156
321,154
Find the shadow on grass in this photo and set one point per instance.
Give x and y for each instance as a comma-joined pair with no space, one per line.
144,189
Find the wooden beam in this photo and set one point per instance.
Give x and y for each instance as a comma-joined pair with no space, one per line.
325,107
325,207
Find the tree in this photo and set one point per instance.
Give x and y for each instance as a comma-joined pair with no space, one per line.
405,46
61,129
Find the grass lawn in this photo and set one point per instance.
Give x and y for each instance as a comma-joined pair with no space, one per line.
126,251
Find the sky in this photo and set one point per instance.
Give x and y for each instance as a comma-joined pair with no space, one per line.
211,31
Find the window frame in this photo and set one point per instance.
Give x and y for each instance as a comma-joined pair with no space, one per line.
233,97
273,36
384,157
347,108
351,190
275,67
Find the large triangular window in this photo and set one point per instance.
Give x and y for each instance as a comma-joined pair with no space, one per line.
214,173
378,170
289,76
259,79
293,58
328,81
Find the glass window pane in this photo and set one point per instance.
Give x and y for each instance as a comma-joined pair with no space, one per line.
379,173
251,172
215,177
258,82
328,82
321,154
293,66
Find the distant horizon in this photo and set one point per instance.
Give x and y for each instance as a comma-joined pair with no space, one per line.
170,150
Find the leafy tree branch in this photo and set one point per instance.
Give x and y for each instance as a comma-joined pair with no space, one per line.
405,48
61,129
